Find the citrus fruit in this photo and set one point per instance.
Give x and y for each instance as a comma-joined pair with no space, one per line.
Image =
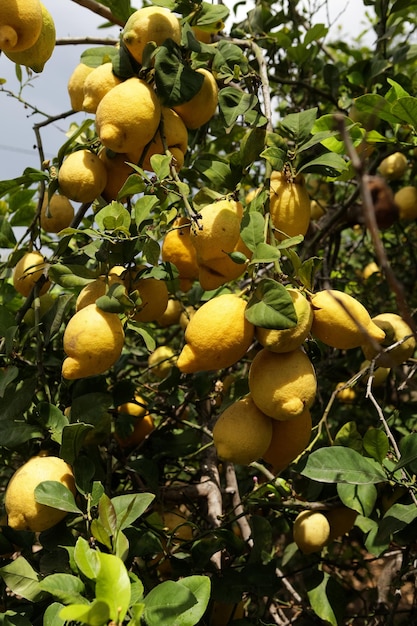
200,108
44,304
177,248
75,86
217,229
41,51
118,171
213,273
217,335
98,287
242,433
289,205
289,439
139,428
341,520
317,210
93,341
148,24
28,271
152,292
406,201
82,176
57,213
311,531
347,395
172,313
175,137
20,24
96,84
341,321
290,338
395,329
283,384
393,166
161,361
380,374
370,269
23,511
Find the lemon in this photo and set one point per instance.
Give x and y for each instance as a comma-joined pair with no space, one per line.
175,137
148,24
143,424
93,341
152,292
28,271
118,171
406,201
370,269
316,210
289,439
175,521
20,24
23,512
341,520
347,395
393,166
75,86
290,338
217,335
178,249
213,273
161,361
341,321
41,51
217,229
97,83
242,433
311,531
128,116
97,288
82,176
282,385
201,108
45,304
56,214
289,205
380,374
186,315
395,329
171,315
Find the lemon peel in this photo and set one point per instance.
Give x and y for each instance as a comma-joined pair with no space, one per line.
57,213
142,426
406,201
175,137
152,292
394,166
97,288
148,24
289,205
395,329
28,271
75,85
341,520
41,51
171,315
289,439
96,84
20,24
200,108
177,248
82,176
161,361
118,171
311,531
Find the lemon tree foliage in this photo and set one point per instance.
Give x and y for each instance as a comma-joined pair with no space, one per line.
208,388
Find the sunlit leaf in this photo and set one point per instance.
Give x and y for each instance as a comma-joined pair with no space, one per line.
271,306
55,494
113,585
337,464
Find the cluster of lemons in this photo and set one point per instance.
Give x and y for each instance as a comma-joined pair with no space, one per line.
393,168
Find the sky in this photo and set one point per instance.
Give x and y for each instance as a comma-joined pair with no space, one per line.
48,91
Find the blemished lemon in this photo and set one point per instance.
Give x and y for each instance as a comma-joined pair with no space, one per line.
118,171
217,335
56,214
242,433
406,201
128,116
282,385
93,341
290,338
311,531
289,205
152,292
142,426
201,108
341,321
28,271
172,313
289,439
82,176
41,51
20,24
177,248
97,84
23,511
341,520
75,86
395,329
161,360
148,24
175,137
98,287
394,166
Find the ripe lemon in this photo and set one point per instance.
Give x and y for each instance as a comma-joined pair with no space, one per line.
23,512
393,166
380,374
290,338
212,273
289,439
97,288
217,335
317,210
56,214
370,269
143,424
153,293
341,520
148,24
347,395
395,329
172,313
128,116
20,24
242,433
175,137
118,171
96,84
28,271
93,341
406,201
186,315
217,230
46,303
311,531
75,86
161,361
82,176
289,205
201,108
41,51
341,321
177,248
282,385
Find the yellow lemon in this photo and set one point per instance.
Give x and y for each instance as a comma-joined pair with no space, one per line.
56,214
23,511
82,176
186,315
128,116
45,304
142,426
406,201
393,166
282,385
118,171
289,205
177,248
212,273
97,288
41,51
97,83
148,24
172,313
217,229
341,321
311,531
175,137
289,439
316,210
161,361
395,329
347,395
28,271
20,24
152,292
341,520
370,269
242,433
380,374
290,338
201,108
75,86
93,341
217,335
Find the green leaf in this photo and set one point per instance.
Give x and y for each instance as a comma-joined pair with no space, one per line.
360,498
252,229
51,616
113,585
377,107
113,217
55,494
7,238
107,514
214,168
327,598
53,419
271,306
143,208
93,57
234,103
166,603
22,579
9,374
342,465
65,587
95,614
276,157
298,126
329,164
210,16
349,437
86,559
406,110
408,449
175,82
265,253
200,587
130,507
144,331
252,145
376,444
73,437
101,534
70,276
395,519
